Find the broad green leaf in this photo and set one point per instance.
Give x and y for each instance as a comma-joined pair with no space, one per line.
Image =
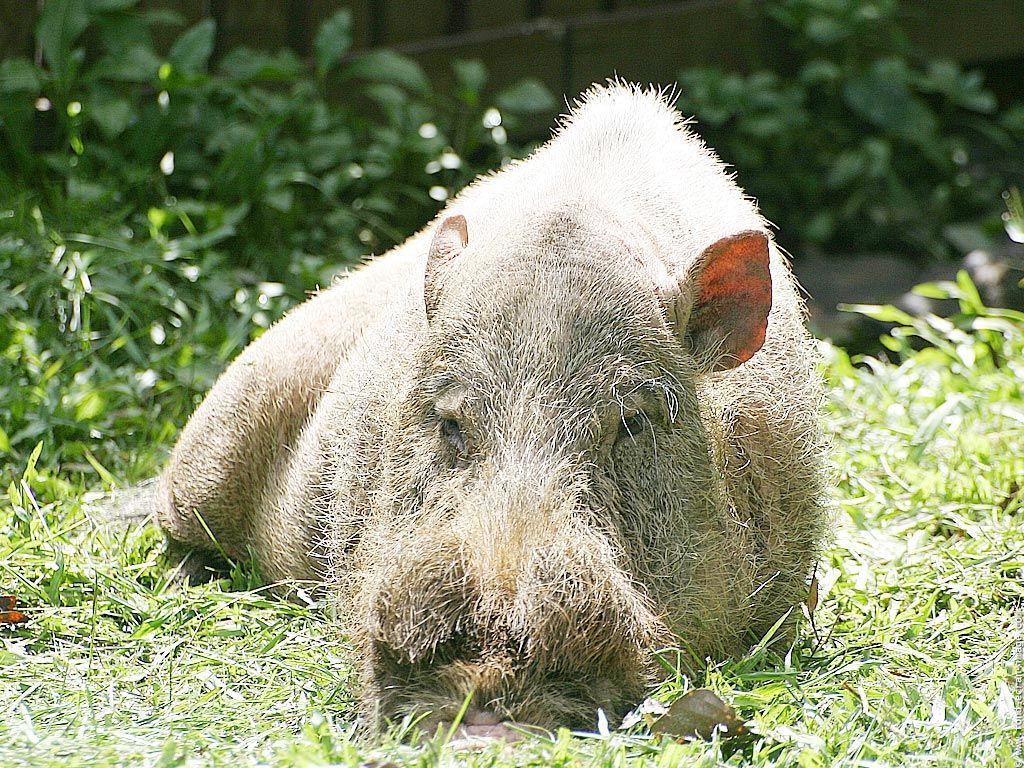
883,314
52,369
29,475
14,495
1013,118
136,65
280,199
819,71
333,40
819,227
826,30
90,406
5,442
970,300
101,6
191,52
964,89
111,113
931,290
246,64
846,168
881,96
60,24
158,17
527,97
102,471
471,74
389,97
18,75
385,66
120,32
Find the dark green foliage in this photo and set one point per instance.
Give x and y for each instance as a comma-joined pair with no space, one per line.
860,144
156,207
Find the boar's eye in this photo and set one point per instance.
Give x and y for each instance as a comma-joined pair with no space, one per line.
452,433
632,426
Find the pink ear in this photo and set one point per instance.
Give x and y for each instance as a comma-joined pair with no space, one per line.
732,296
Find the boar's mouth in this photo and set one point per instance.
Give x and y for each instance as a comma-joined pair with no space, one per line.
506,686
545,638
605,663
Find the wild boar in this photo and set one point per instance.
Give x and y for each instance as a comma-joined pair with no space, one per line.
572,421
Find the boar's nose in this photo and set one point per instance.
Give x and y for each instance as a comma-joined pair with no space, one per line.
525,504
544,637
517,598
565,602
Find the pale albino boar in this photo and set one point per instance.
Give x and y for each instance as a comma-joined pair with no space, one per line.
572,421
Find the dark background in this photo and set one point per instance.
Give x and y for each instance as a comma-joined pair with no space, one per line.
568,45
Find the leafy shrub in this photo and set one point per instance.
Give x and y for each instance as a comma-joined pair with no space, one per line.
155,208
976,338
862,144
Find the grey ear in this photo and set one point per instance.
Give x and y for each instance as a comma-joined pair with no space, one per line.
720,308
450,239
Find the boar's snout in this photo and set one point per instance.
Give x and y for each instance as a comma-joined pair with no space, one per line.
520,600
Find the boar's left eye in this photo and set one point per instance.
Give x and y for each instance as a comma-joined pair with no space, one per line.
632,426
452,433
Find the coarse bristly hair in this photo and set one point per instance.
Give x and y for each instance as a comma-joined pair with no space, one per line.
516,476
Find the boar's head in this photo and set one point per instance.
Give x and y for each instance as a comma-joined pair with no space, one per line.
547,511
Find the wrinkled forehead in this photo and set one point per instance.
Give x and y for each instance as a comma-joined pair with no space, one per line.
555,313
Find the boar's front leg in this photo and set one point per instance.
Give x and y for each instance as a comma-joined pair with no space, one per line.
239,437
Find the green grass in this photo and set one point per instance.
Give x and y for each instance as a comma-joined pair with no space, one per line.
913,656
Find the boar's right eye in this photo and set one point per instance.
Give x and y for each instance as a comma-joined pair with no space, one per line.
452,433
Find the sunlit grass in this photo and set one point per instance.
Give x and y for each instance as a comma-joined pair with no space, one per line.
912,658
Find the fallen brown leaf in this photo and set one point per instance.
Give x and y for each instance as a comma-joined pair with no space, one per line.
699,713
812,596
8,614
